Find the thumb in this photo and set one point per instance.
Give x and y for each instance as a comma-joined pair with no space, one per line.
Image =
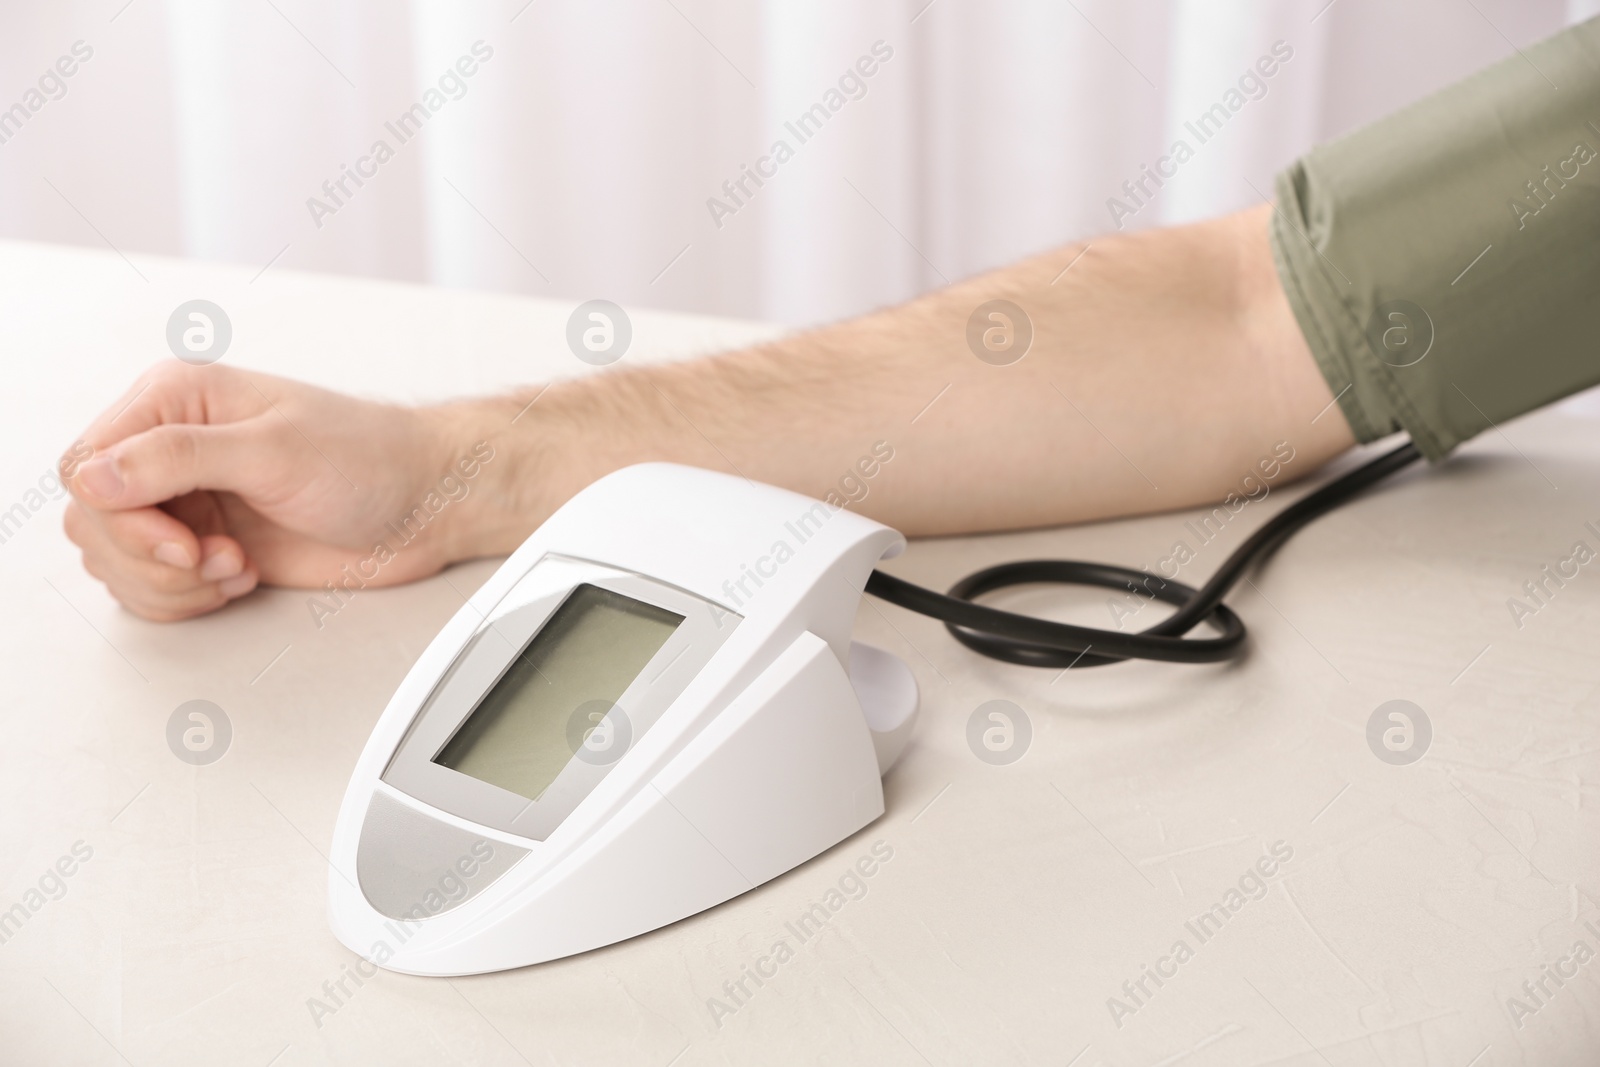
171,460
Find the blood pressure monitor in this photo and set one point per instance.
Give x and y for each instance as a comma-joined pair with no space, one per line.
653,706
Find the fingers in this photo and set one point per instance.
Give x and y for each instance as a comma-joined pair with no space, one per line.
145,533
155,565
173,459
171,392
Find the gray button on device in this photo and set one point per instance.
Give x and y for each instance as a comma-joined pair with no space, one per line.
413,867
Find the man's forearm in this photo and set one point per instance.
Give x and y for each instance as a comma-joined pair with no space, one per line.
1164,366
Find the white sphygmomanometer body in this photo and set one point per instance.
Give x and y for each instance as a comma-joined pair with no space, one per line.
653,706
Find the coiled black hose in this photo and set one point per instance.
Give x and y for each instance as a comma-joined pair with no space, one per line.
1031,642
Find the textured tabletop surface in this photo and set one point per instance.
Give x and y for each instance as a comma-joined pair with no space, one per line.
1135,865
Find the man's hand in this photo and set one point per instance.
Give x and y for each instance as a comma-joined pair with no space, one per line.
1164,367
204,481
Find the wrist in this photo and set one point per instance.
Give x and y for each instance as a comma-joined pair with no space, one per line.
499,450
540,445
467,456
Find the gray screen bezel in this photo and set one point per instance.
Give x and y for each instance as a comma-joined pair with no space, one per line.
490,652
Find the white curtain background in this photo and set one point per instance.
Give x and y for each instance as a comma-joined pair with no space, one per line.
579,161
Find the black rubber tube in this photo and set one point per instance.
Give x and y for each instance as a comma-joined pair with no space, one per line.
1031,642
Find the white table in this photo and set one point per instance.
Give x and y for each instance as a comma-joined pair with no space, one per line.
1019,898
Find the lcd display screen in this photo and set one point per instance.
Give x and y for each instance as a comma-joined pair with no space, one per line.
588,652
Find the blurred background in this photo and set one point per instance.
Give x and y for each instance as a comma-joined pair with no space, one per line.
585,155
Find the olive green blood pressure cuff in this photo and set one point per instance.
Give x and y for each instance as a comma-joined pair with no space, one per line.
1444,263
